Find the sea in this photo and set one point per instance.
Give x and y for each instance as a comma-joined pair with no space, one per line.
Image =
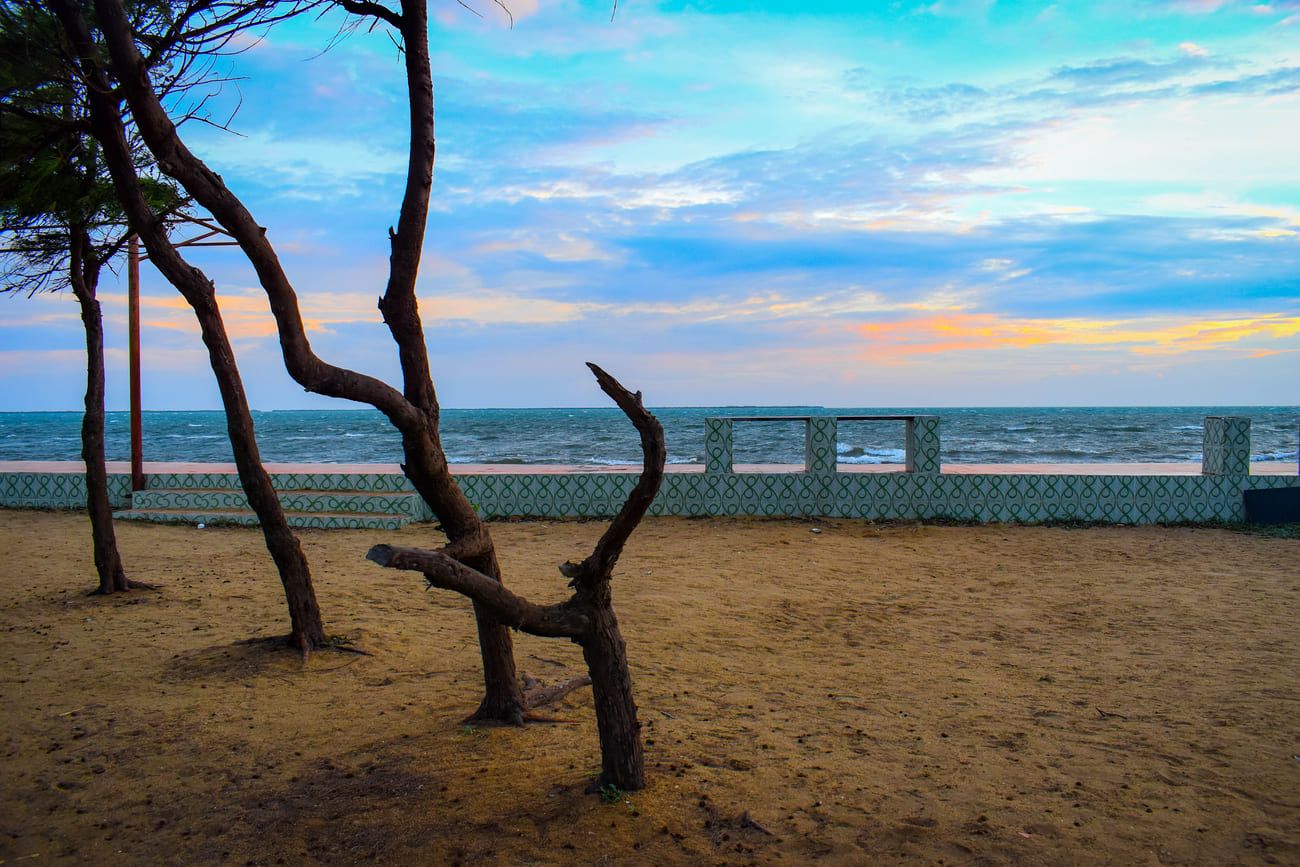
602,436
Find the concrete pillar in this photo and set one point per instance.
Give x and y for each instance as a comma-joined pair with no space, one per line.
1226,446
819,444
923,445
719,453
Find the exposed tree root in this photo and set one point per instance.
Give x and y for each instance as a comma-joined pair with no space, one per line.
538,696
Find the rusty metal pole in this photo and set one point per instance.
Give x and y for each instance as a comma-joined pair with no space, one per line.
133,338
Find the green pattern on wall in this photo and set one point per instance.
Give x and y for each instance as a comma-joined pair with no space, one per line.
820,438
922,435
1226,446
57,490
380,500
719,454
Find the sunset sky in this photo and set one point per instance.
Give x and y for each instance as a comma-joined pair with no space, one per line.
920,204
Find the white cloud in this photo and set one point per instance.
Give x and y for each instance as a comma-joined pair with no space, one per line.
557,247
312,168
1203,140
626,193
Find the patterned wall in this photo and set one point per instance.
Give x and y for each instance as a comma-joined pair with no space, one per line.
821,433
923,444
719,454
57,490
1226,446
882,496
384,500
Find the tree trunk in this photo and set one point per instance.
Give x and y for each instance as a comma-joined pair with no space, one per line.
622,763
308,632
106,120
108,561
588,617
414,411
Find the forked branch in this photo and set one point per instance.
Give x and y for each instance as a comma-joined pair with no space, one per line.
510,609
600,565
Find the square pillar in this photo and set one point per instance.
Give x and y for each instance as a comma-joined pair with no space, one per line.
821,433
719,453
1226,447
923,445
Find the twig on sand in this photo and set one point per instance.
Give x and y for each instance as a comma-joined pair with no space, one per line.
1105,714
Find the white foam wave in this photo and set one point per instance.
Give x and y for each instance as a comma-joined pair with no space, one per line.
1275,456
873,456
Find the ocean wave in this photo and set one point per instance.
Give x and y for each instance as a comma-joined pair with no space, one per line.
873,456
550,436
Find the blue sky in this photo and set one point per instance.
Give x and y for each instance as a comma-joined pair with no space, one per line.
963,202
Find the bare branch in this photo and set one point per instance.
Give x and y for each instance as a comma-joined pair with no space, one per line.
506,9
558,621
368,9
600,565
470,8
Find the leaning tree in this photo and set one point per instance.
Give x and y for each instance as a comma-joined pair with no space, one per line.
178,68
62,225
413,410
468,561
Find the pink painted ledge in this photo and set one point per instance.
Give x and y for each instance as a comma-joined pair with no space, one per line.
1267,468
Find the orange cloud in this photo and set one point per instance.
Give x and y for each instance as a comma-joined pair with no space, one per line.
958,332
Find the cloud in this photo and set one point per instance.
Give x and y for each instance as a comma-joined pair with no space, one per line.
1128,70
947,334
625,192
1201,140
498,308
306,167
1282,80
555,247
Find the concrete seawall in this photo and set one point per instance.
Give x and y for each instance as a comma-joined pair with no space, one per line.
377,495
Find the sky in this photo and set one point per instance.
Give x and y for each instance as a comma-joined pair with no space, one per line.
955,203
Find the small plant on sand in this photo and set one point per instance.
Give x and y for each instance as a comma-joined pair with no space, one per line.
610,794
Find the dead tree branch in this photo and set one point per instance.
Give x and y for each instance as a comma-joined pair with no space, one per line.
600,565
565,620
587,618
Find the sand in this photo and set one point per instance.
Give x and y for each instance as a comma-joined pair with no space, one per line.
866,694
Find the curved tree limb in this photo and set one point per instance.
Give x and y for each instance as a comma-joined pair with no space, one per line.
510,609
600,565
158,131
398,304
413,411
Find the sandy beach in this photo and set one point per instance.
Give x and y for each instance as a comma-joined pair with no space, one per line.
863,694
